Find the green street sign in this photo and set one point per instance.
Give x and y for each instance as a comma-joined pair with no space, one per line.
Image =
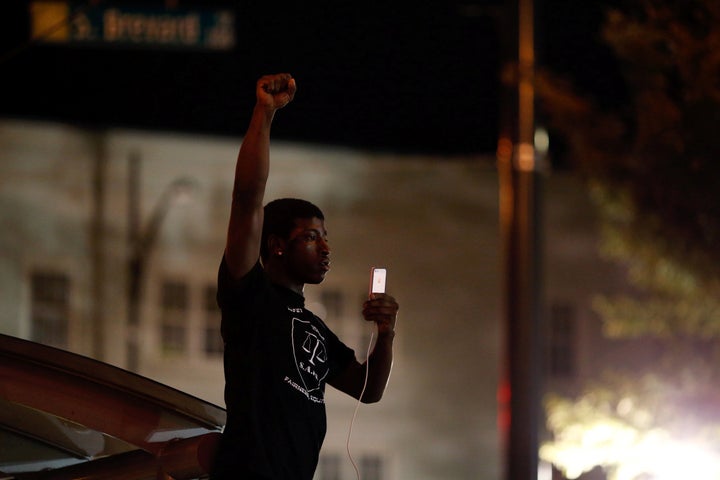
108,25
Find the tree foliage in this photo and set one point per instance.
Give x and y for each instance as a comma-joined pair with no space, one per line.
652,165
654,161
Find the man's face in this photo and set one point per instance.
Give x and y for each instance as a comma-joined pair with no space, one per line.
308,252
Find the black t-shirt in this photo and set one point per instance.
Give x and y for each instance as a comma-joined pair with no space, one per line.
278,356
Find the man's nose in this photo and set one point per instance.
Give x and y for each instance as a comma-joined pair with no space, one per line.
324,247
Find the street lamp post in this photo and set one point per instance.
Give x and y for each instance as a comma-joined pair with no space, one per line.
140,245
520,194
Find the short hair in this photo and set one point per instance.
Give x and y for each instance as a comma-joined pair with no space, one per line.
280,216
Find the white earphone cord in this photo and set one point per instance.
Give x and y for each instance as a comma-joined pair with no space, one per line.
357,407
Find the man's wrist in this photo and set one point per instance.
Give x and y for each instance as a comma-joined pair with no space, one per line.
386,334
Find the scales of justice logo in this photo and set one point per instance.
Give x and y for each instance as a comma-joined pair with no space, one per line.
310,354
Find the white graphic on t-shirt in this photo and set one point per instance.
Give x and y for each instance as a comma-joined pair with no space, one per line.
310,354
313,346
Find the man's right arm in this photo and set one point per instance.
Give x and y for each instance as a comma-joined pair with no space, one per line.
242,247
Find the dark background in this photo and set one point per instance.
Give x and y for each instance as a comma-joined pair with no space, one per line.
404,76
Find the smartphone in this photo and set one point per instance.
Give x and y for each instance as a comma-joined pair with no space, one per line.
377,280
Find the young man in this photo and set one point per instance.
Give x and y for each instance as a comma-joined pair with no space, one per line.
278,355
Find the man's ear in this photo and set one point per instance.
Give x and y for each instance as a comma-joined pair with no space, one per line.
276,245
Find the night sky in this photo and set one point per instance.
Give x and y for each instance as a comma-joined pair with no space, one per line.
405,76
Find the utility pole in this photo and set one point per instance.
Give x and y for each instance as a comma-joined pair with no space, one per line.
135,264
97,244
520,194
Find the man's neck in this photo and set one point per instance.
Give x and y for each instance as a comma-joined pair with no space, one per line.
278,276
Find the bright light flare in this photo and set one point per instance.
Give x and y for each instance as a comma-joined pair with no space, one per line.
664,459
627,454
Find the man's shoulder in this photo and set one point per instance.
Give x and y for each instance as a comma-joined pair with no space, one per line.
231,288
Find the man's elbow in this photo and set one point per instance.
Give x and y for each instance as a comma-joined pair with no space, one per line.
371,397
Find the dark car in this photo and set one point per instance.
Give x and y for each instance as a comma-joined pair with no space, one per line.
65,416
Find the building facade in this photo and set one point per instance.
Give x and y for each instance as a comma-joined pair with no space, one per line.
91,216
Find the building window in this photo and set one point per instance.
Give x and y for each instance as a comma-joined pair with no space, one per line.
347,323
371,467
332,301
336,466
213,338
329,468
50,308
174,318
364,332
562,340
